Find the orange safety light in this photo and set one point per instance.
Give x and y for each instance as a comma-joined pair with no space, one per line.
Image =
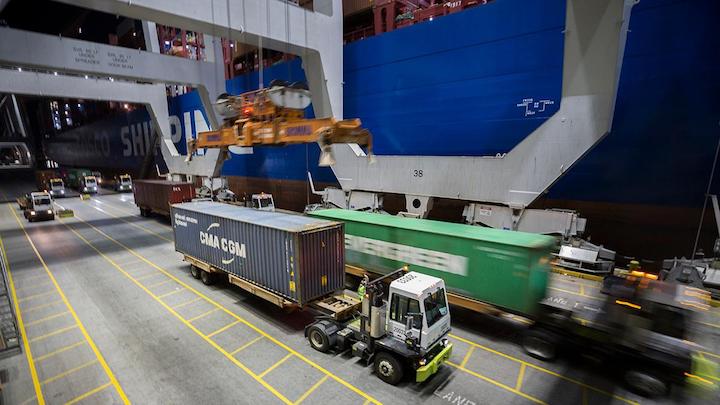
628,304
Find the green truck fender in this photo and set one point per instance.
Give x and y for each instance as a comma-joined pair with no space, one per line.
704,376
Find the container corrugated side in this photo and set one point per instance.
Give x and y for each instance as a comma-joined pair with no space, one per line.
298,263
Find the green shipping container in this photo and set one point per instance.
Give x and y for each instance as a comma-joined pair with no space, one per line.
504,268
74,175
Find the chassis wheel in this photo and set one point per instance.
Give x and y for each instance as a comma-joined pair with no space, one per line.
388,368
195,271
539,344
318,338
207,278
646,383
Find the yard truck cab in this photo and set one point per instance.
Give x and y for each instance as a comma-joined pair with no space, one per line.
56,188
39,206
405,333
123,182
641,328
88,184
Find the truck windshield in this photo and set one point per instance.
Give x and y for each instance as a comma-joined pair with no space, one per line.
90,181
42,201
435,306
124,179
56,183
264,202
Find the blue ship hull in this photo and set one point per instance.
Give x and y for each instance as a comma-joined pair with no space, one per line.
454,86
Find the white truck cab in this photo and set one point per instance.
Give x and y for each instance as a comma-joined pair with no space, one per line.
57,188
89,185
40,207
263,202
124,183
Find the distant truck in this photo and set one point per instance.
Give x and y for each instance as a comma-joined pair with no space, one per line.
641,328
50,181
295,261
82,180
39,206
121,183
156,196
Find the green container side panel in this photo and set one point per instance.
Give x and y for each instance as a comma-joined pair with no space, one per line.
503,268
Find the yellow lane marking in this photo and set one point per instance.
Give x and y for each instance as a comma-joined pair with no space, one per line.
274,366
146,276
158,284
33,277
60,350
712,325
574,293
79,324
224,328
584,396
245,346
310,391
498,384
203,315
582,289
183,320
49,304
134,224
42,283
87,394
467,356
21,326
170,293
544,370
234,315
47,318
576,274
30,297
53,333
521,374
68,372
196,299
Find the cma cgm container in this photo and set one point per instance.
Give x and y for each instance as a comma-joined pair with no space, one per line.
506,269
285,258
157,195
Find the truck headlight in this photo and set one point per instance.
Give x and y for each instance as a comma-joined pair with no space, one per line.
49,211
32,212
62,191
422,362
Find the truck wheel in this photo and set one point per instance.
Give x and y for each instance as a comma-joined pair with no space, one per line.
539,344
318,338
646,384
207,278
388,368
195,271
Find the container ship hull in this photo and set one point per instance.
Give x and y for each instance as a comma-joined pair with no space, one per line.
432,89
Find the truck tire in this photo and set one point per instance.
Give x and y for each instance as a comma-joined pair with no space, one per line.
646,383
388,368
318,338
207,278
540,344
195,271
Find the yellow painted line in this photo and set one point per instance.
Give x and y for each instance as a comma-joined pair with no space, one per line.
467,356
171,293
29,400
574,293
310,391
203,315
53,333
710,354
544,370
21,326
712,325
584,396
158,284
79,325
582,290
496,383
60,350
31,297
234,315
245,346
87,394
274,366
224,328
68,372
183,320
146,276
49,304
24,279
576,274
47,318
196,299
521,374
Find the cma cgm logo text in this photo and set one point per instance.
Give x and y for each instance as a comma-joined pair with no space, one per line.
231,247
